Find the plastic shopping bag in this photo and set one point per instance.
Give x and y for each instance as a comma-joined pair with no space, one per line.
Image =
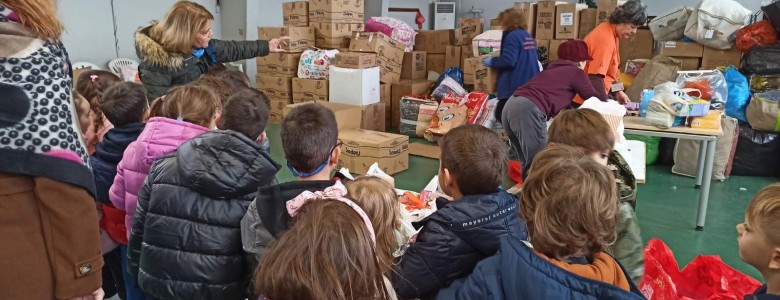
739,94
448,86
710,83
757,34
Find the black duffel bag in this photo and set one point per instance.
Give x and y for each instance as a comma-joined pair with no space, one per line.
758,153
762,60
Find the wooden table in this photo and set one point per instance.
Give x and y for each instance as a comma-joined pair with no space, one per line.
707,138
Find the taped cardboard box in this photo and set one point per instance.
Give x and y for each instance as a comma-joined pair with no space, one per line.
452,58
277,109
436,62
374,117
403,88
379,43
470,68
605,8
528,10
296,13
308,90
553,50
679,49
434,41
640,47
345,114
567,26
337,11
468,29
587,22
354,86
485,78
689,63
386,96
334,35
279,64
545,20
466,51
713,58
278,88
355,60
362,148
415,65
389,71
301,38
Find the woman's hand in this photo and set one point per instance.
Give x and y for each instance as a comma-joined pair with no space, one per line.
96,295
622,98
486,62
277,45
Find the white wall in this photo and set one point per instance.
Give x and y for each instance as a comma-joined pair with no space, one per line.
89,26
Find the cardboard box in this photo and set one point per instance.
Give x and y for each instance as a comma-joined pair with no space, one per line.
307,90
336,11
587,22
689,63
379,43
354,86
529,11
277,110
345,114
434,41
470,68
567,20
301,38
640,47
466,52
415,65
435,62
362,148
405,88
713,58
553,50
468,29
485,78
374,117
355,60
279,64
275,88
386,96
453,57
605,9
296,13
545,20
389,71
680,49
334,35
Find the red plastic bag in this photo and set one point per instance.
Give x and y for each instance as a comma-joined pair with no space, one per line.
706,277
515,171
756,34
476,102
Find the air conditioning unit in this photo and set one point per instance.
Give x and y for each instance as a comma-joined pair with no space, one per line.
444,15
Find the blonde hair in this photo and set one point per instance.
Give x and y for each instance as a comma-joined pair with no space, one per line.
378,198
763,213
39,15
190,103
177,30
569,203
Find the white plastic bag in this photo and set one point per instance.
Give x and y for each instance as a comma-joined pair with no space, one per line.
713,21
315,63
613,112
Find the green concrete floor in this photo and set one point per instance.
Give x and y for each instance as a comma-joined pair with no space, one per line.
666,206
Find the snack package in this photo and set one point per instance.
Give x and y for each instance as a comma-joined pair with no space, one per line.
452,112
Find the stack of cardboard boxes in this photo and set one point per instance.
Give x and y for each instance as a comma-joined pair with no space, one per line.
354,80
334,21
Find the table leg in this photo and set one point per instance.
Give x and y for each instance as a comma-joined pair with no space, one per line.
700,164
706,180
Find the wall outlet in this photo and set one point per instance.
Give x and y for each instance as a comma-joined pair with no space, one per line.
240,32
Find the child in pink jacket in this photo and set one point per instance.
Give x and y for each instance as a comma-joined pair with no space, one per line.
184,113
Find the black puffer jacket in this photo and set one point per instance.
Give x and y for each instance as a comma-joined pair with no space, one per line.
186,235
161,70
453,240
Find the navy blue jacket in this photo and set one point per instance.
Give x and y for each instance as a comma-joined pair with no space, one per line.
453,240
518,62
761,294
107,155
516,272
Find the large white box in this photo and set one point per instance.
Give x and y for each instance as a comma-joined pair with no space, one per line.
354,86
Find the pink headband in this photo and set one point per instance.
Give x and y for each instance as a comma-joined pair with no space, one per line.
336,193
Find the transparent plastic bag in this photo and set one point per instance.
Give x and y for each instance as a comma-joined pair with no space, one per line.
711,83
448,86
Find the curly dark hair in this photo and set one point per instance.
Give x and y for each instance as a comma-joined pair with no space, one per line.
632,12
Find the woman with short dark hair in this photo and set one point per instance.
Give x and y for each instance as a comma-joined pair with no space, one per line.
604,46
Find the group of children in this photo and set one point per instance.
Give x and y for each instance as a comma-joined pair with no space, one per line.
191,208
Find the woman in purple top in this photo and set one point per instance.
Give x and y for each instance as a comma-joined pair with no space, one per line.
526,113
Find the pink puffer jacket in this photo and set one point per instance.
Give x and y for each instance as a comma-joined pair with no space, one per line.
160,136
